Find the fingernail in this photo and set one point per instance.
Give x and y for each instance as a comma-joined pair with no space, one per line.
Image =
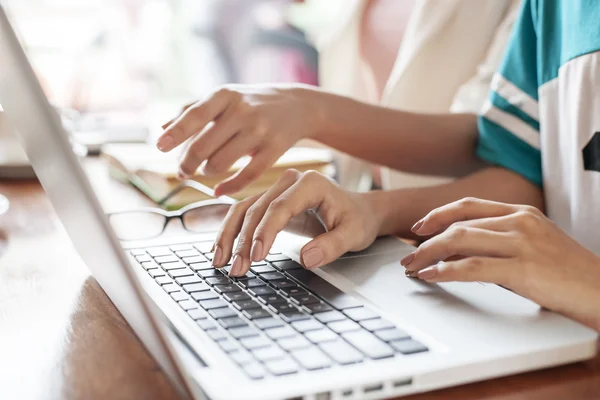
408,259
257,250
165,143
409,273
182,175
428,273
212,249
236,266
417,226
313,258
217,256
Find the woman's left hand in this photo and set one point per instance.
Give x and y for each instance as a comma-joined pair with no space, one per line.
511,245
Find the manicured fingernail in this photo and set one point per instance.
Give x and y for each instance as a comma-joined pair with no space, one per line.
428,273
313,258
236,267
417,226
257,250
409,273
408,259
217,262
165,143
181,175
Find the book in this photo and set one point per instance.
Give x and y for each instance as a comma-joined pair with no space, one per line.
155,173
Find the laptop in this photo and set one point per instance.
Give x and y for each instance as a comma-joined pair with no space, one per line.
355,329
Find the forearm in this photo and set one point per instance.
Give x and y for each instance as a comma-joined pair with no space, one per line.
420,143
401,209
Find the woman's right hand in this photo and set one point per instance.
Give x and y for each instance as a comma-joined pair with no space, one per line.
260,121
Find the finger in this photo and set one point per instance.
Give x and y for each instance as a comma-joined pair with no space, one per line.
246,245
327,247
260,162
194,120
165,126
461,241
209,141
235,148
471,269
465,209
229,230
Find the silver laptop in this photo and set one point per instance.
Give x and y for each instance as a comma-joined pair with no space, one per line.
355,329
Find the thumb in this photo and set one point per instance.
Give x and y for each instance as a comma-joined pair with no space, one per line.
326,248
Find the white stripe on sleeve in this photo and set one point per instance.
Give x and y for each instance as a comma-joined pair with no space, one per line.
513,124
515,96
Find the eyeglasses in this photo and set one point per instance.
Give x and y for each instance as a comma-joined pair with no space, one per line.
150,222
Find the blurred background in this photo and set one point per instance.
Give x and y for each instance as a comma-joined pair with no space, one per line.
118,67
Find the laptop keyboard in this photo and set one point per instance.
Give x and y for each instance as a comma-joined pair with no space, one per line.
277,320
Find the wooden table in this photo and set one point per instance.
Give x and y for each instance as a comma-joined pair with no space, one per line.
61,337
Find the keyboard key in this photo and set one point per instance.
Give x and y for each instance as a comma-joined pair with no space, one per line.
194,260
293,343
204,247
159,251
295,315
187,253
254,371
243,331
315,308
409,346
206,324
272,299
236,296
176,273
227,346
256,313
343,326
233,322
324,289
143,258
294,291
227,288
179,296
156,272
219,280
360,314
201,266
304,299
258,263
172,265
311,358
206,295
368,344
261,291
180,247
171,288
278,257
255,342
150,265
209,255
268,353
188,305
241,357
283,284
267,323
376,324
280,333
195,287
249,275
210,273
281,307
286,265
197,313
341,352
166,259
261,269
321,335
388,335
252,283
306,325
330,316
217,335
212,304
220,313
187,280
246,304
284,366
273,276
137,252
163,280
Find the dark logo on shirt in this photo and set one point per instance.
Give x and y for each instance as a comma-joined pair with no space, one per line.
591,154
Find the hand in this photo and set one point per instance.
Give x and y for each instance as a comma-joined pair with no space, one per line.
510,245
239,120
351,220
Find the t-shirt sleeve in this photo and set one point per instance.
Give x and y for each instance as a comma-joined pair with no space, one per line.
509,129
